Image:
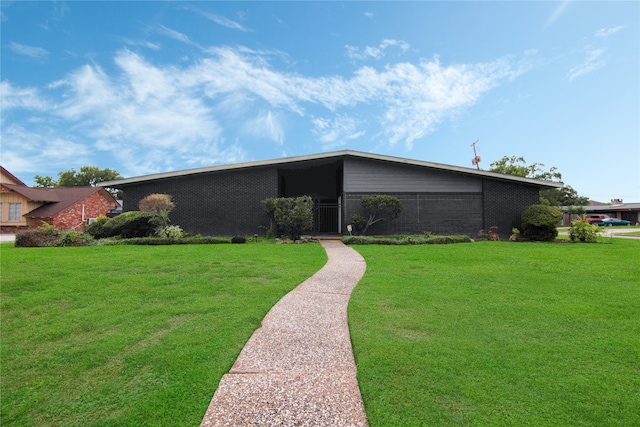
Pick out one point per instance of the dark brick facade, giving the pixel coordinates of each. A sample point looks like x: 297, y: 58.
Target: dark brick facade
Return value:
x: 229, y: 202
x: 440, y: 213
x: 222, y: 203
x: 504, y: 202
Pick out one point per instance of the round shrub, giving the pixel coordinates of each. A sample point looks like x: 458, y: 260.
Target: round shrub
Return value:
x: 127, y: 225
x: 170, y: 232
x: 97, y: 229
x: 582, y: 231
x: 539, y: 222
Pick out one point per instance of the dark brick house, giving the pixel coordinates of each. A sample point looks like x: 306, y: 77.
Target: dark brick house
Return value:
x: 227, y: 199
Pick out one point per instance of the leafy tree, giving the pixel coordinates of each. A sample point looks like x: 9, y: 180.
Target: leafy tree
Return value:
x: 88, y: 176
x: 378, y: 207
x: 44, y: 181
x: 517, y: 166
x: 290, y: 215
x: 158, y: 204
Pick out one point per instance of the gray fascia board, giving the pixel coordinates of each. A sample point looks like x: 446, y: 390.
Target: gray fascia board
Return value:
x: 329, y: 155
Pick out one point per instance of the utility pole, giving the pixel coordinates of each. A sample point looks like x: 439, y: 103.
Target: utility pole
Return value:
x: 476, y: 159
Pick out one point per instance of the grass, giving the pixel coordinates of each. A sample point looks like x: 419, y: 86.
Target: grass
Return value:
x: 499, y: 333
x: 132, y: 335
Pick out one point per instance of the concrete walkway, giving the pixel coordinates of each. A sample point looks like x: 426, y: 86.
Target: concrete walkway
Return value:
x: 298, y: 368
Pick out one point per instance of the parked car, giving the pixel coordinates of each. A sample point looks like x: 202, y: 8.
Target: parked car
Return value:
x: 591, y: 218
x: 612, y: 221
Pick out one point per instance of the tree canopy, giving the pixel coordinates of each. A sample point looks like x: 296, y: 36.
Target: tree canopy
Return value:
x: 88, y: 176
x: 517, y: 166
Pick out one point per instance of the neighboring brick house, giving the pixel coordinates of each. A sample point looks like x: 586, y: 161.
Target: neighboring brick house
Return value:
x: 65, y: 208
x: 227, y: 199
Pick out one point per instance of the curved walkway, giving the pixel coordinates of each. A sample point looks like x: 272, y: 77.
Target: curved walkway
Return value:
x: 298, y: 368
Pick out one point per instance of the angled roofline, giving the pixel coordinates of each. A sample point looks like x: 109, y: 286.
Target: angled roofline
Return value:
x: 12, y: 176
x: 330, y: 155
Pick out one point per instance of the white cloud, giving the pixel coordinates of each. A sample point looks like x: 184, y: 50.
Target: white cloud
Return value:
x: 266, y: 125
x: 30, y: 51
x: 173, y: 34
x: 151, y: 117
x: 606, y: 32
x: 224, y: 21
x: 592, y: 62
x: 336, y: 132
x: 20, y: 98
x: 557, y: 13
x: 375, y: 52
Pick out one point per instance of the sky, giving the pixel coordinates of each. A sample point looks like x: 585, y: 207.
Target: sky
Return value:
x: 145, y: 87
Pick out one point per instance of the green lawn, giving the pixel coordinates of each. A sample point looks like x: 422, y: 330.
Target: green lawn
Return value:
x: 132, y: 335
x: 499, y: 334
x: 487, y: 333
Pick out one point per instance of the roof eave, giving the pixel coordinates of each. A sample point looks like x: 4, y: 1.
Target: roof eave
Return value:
x: 328, y: 155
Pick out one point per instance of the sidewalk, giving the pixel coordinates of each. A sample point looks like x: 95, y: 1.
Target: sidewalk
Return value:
x: 298, y: 368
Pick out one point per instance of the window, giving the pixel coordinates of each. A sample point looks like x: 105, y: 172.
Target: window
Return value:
x: 15, y: 209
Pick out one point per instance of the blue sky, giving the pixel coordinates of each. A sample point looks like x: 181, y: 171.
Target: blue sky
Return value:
x: 145, y: 87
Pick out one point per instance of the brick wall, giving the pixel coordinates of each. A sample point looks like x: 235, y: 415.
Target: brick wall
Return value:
x: 440, y: 213
x: 504, y: 203
x: 71, y: 218
x: 216, y: 203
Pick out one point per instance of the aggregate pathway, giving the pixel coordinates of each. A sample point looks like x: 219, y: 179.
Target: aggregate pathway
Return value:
x: 298, y: 368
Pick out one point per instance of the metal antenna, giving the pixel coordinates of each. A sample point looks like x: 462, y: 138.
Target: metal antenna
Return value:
x: 476, y: 159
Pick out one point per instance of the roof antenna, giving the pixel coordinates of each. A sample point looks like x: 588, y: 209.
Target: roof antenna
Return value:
x: 476, y: 159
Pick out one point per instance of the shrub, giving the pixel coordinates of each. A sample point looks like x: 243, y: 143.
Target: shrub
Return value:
x: 582, y: 231
x: 127, y: 225
x: 170, y: 232
x: 238, y: 239
x: 539, y: 222
x: 291, y: 216
x: 378, y: 207
x: 96, y: 228
x: 75, y: 238
x: 405, y: 240
x: 36, y: 238
x: 158, y: 204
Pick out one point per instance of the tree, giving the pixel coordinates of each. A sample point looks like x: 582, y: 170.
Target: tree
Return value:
x: 378, y: 207
x: 88, y: 176
x: 158, y: 204
x: 517, y: 166
x: 290, y: 215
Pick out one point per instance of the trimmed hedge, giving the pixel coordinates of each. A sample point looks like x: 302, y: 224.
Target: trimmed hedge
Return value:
x: 539, y: 222
x: 128, y: 225
x: 410, y: 240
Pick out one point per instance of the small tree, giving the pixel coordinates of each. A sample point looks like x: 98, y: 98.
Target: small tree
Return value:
x: 291, y: 216
x: 378, y: 207
x: 158, y: 204
x: 540, y: 222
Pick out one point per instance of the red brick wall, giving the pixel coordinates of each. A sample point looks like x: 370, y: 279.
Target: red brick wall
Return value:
x: 71, y: 218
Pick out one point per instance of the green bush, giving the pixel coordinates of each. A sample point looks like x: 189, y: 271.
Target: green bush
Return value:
x: 170, y: 232
x: 539, y: 222
x: 76, y: 238
x: 127, y: 225
x: 582, y: 231
x: 37, y: 238
x: 290, y: 216
x: 377, y: 207
x: 405, y: 240
x: 97, y: 228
